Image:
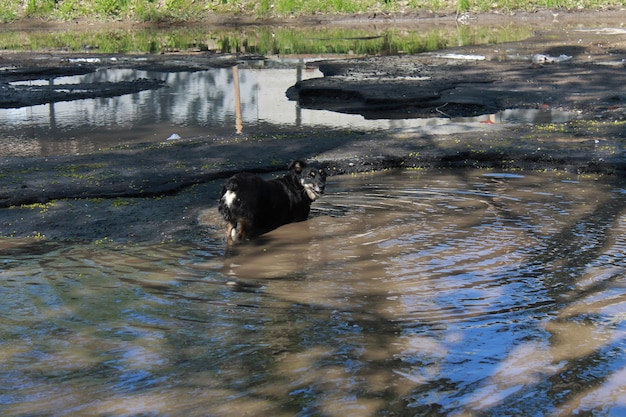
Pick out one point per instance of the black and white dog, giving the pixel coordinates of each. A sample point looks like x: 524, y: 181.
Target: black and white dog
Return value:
x: 253, y: 206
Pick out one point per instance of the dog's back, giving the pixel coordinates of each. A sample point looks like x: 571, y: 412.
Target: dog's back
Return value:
x: 253, y: 206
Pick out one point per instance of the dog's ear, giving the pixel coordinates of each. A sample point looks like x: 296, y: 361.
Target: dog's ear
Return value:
x: 297, y: 166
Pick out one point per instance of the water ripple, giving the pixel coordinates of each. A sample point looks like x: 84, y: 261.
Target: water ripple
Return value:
x: 441, y: 292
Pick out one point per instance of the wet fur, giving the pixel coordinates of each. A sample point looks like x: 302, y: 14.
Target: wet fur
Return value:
x: 253, y: 206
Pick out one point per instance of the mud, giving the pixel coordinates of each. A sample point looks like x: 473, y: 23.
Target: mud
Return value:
x: 575, y: 70
x: 163, y: 190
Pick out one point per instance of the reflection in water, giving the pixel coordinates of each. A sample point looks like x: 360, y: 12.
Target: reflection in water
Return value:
x: 387, y: 38
x: 408, y: 293
x: 238, y: 119
x: 220, y: 100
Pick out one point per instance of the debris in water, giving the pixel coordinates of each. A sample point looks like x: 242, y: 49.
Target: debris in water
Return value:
x: 547, y: 59
x: 462, y: 56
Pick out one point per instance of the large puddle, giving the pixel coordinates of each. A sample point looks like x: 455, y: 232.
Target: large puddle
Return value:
x: 194, y: 104
x: 407, y: 293
x: 250, y: 98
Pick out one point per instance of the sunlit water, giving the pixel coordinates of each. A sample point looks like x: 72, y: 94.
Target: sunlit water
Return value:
x: 407, y: 293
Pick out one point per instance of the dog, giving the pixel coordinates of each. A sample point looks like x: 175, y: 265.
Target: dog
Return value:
x: 253, y: 206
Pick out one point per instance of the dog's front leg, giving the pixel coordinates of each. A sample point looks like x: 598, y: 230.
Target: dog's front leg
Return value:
x: 237, y: 232
x: 231, y: 233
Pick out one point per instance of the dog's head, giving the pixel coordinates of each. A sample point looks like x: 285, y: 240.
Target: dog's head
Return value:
x: 311, y: 177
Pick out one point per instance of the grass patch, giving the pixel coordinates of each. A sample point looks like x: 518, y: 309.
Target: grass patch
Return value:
x: 42, y: 207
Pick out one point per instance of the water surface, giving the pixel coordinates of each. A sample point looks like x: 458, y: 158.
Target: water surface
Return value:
x: 407, y: 293
x: 215, y: 102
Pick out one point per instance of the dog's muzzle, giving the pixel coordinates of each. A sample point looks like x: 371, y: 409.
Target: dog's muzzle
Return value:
x: 313, y: 191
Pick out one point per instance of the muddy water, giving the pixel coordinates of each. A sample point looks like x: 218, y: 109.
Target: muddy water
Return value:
x: 407, y: 293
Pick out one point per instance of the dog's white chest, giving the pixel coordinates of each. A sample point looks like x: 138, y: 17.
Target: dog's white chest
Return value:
x: 229, y: 197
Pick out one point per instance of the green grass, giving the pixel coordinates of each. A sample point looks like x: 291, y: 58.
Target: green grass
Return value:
x: 187, y: 10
